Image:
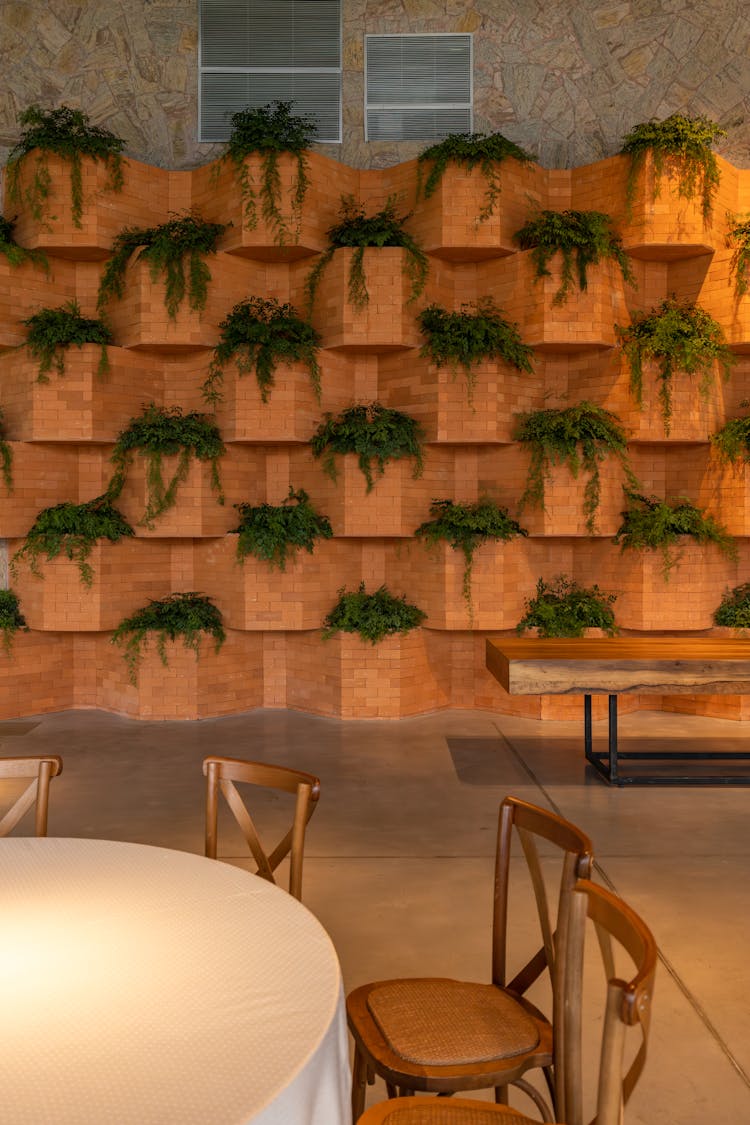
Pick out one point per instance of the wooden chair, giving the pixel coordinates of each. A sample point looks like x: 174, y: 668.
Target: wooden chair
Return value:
x: 221, y: 773
x: 627, y: 1005
x: 40, y: 772
x: 443, y: 1036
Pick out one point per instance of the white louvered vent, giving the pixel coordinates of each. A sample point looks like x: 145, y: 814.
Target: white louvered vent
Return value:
x: 257, y: 51
x: 417, y: 87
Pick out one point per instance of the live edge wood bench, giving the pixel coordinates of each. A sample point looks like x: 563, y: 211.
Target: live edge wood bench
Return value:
x: 617, y: 665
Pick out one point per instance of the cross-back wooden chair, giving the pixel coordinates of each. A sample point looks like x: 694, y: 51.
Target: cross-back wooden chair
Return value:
x: 441, y: 1035
x: 627, y: 1006
x: 222, y: 773
x: 39, y: 772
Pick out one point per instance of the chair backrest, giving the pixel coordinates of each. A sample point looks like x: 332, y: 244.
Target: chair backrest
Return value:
x: 222, y: 773
x: 627, y: 1003
x: 39, y: 772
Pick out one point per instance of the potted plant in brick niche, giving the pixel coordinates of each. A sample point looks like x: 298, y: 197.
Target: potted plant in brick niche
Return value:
x: 275, y: 532
x: 580, y: 437
x: 163, y: 432
x: 681, y: 146
x: 15, y: 254
x: 52, y: 331
x: 678, y: 336
x: 359, y: 231
x: 11, y: 619
x: 6, y: 457
x: 738, y: 237
x: 258, y: 334
x: 734, y: 610
x: 469, y: 150
x: 175, y: 250
x: 562, y: 608
x: 651, y: 524
x: 67, y: 133
x: 475, y: 333
x: 185, y: 616
x: 374, y: 433
x: 373, y: 616
x: 582, y: 238
x: 732, y: 442
x: 72, y: 530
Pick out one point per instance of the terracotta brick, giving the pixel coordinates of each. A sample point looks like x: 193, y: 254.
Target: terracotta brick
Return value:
x: 37, y: 674
x: 42, y: 475
x: 26, y: 289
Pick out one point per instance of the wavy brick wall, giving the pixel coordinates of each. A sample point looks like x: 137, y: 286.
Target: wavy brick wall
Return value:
x: 62, y: 434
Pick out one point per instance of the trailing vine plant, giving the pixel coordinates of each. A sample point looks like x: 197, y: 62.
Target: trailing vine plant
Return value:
x: 18, y: 255
x: 72, y: 530
x: 373, y: 616
x: 275, y: 532
x: 469, y: 150
x: 52, y: 331
x: 11, y: 618
x: 476, y: 332
x: 681, y: 147
x: 164, y: 432
x: 734, y: 609
x: 374, y: 433
x: 358, y: 230
x: 656, y: 525
x: 465, y: 527
x: 583, y: 238
x: 183, y: 241
x: 738, y: 236
x: 68, y: 133
x: 562, y: 608
x: 269, y: 130
x: 732, y: 442
x: 580, y: 437
x: 186, y: 616
x: 6, y: 457
x: 679, y: 336
x: 258, y: 334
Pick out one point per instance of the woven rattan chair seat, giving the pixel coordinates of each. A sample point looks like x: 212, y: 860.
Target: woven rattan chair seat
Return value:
x: 444, y: 1022
x: 443, y: 1113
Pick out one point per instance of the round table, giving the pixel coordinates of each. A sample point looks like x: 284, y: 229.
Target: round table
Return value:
x: 143, y: 986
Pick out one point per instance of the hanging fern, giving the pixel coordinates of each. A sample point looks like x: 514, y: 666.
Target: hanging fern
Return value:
x: 187, y: 616
x: 183, y: 241
x: 580, y: 437
x: 562, y: 608
x: 373, y: 616
x: 274, y: 532
x: 6, y: 457
x: 732, y: 442
x: 67, y: 133
x: 680, y: 336
x: 738, y: 236
x: 53, y: 331
x: 657, y: 525
x: 734, y: 610
x: 11, y: 619
x: 585, y: 238
x: 374, y: 433
x: 466, y: 527
x: 18, y: 255
x: 358, y: 230
x: 165, y: 432
x: 469, y: 150
x: 72, y: 530
x: 680, y: 145
x: 258, y: 334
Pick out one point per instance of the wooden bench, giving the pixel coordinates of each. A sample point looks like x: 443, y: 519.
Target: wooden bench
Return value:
x: 617, y: 665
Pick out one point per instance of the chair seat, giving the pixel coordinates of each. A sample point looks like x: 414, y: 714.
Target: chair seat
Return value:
x: 443, y: 1111
x: 439, y: 1022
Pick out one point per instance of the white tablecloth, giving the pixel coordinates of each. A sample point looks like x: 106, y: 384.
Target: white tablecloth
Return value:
x: 142, y: 986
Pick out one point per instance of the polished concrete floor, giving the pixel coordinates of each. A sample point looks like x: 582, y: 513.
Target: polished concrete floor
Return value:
x: 400, y: 852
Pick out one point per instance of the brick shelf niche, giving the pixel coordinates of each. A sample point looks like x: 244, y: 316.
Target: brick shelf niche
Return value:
x: 61, y: 435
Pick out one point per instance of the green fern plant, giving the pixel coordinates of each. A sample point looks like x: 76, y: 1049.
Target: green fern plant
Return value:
x: 18, y: 255
x: 475, y: 333
x: 487, y: 151
x: 465, y: 527
x: 679, y: 336
x: 359, y: 230
x: 269, y: 130
x: 52, y: 331
x: 258, y: 334
x: 732, y: 442
x: 734, y: 609
x: 562, y: 608
x: 164, y: 432
x: 580, y: 437
x: 169, y: 249
x: 372, y: 616
x: 67, y: 133
x: 582, y: 238
x: 11, y: 618
x: 6, y: 457
x: 274, y: 532
x: 651, y: 524
x: 374, y: 433
x: 72, y: 530
x: 680, y: 145
x: 738, y: 237
x: 186, y: 616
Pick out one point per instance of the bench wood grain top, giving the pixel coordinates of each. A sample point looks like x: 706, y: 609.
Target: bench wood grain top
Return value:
x: 613, y: 665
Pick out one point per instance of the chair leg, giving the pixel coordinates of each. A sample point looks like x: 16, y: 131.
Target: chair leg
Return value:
x: 540, y: 1103
x: 391, y: 1090
x: 501, y: 1095
x: 359, y: 1084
